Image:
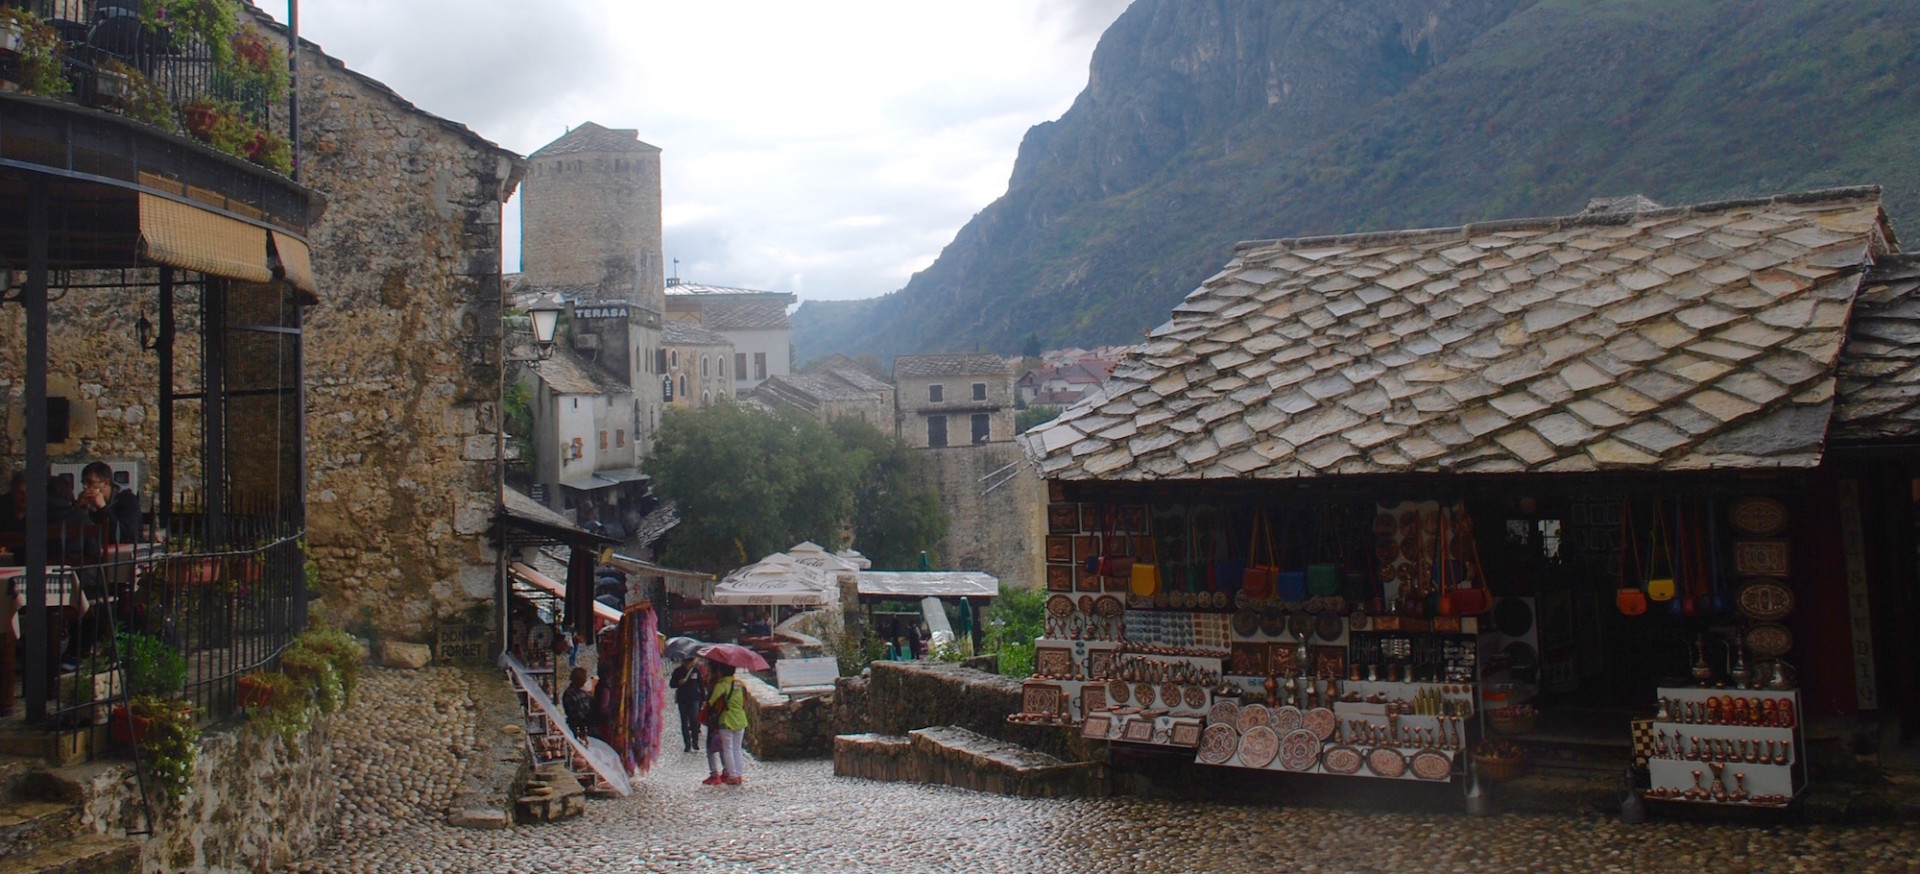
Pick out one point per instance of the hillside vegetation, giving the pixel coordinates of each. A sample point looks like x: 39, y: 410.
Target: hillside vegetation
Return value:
x: 1206, y: 122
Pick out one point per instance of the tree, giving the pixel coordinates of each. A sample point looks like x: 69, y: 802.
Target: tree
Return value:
x: 895, y: 515
x: 1031, y: 349
x: 1037, y: 414
x: 747, y: 483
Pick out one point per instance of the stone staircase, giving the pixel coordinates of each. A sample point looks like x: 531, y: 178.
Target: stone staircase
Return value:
x: 955, y: 756
x: 41, y: 828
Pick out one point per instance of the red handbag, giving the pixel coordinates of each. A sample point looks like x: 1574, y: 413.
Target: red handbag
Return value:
x: 1257, y: 580
x: 1630, y: 600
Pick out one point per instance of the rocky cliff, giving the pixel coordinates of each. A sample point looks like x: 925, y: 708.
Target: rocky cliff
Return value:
x: 1205, y: 122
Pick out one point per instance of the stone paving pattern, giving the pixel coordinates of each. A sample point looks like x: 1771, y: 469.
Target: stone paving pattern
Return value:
x: 1672, y: 339
x: 399, y: 751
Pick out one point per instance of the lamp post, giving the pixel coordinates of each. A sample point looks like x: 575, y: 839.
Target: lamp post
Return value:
x: 544, y: 313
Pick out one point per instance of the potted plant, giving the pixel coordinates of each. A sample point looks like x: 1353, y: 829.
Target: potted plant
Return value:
x: 37, y: 46
x: 211, y: 23
x: 315, y: 671
x: 276, y: 702
x: 342, y: 653
x: 258, y: 64
x: 169, y: 742
x: 153, y: 667
x: 128, y: 91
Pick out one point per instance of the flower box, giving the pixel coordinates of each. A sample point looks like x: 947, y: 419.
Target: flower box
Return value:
x: 127, y: 728
x: 255, y: 692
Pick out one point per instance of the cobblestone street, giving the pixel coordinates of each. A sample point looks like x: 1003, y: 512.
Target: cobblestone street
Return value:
x: 396, y: 752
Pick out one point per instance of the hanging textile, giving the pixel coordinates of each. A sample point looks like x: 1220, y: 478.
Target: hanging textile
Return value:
x: 580, y: 564
x: 640, y: 706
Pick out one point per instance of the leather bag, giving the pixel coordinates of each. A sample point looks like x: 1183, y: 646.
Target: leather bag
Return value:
x: 1628, y: 597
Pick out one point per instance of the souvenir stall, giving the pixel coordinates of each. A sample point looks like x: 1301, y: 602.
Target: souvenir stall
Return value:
x: 1342, y: 639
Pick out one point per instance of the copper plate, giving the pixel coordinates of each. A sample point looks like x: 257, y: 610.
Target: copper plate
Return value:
x: 1059, y: 605
x: 1288, y: 718
x: 1341, y: 760
x: 1328, y: 627
x: 1273, y: 622
x: 1117, y: 691
x: 1225, y: 713
x: 1299, y: 750
x: 1253, y: 716
x: 1217, y: 745
x: 1219, y: 600
x: 1321, y: 722
x: 1765, y: 600
x: 1358, y: 621
x: 1245, y: 622
x: 1258, y: 747
x: 1196, y: 697
x: 1760, y: 517
x: 1386, y: 762
x: 1170, y: 695
x: 1769, y: 641
x: 1143, y: 694
x: 1431, y: 765
x: 1086, y: 603
x: 1301, y: 624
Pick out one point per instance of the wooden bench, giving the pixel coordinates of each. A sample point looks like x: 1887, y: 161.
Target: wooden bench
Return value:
x: 807, y: 676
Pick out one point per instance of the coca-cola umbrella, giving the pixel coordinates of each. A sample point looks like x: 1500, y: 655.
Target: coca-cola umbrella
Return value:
x: 735, y: 655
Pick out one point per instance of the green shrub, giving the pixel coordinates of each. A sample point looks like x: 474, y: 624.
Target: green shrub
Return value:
x: 153, y: 667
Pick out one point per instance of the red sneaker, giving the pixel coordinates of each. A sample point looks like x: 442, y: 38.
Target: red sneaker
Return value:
x: 732, y: 780
x: 712, y: 780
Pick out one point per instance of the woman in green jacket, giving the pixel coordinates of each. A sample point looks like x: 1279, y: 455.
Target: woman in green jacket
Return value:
x: 728, y: 703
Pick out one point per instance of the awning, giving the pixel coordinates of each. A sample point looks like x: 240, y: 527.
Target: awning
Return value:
x: 770, y: 581
x: 185, y: 236
x: 295, y: 262
x: 921, y: 584
x: 527, y: 574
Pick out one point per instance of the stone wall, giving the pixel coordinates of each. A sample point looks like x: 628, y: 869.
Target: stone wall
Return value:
x: 592, y: 218
x: 903, y: 696
x: 779, y: 727
x: 255, y: 804
x: 403, y: 352
x: 1001, y: 531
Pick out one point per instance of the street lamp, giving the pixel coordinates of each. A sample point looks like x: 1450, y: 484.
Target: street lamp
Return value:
x: 545, y: 312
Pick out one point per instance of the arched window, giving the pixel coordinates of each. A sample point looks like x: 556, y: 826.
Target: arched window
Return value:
x: 723, y: 365
x: 673, y: 358
x: 683, y: 385
x: 703, y: 365
x: 706, y: 398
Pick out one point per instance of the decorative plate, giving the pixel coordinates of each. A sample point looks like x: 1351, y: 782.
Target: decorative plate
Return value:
x: 1196, y: 697
x: 1185, y: 734
x: 1253, y: 716
x: 1170, y: 695
x: 1328, y: 627
x: 1769, y: 641
x: 1299, y: 750
x: 1431, y: 765
x: 1109, y: 606
x: 1086, y: 604
x: 1273, y: 623
x: 1386, y: 762
x: 1217, y: 745
x: 1058, y: 606
x: 1096, y: 727
x: 1321, y: 722
x: 1358, y: 621
x: 1288, y: 718
x: 1245, y: 622
x: 1341, y: 760
x: 1760, y: 517
x: 1301, y: 624
x: 1225, y: 713
x: 1143, y: 694
x: 1219, y: 600
x: 1118, y: 691
x: 1765, y: 600
x: 1258, y: 747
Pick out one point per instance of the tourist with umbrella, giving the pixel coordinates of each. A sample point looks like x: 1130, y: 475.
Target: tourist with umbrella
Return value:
x: 726, y: 710
x: 689, y: 684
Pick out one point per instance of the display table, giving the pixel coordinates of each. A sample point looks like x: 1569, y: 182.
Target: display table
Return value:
x: 1732, y: 747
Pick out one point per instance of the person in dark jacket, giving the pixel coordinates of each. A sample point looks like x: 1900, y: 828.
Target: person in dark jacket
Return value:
x: 689, y: 692
x: 577, y: 703
x: 116, y: 511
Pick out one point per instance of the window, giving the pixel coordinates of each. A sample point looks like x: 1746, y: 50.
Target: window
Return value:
x: 666, y: 389
x: 576, y: 403
x: 979, y: 391
x: 703, y: 365
x: 706, y: 398
x: 620, y: 437
x: 603, y: 441
x: 673, y: 359
x: 659, y: 361
x: 936, y: 393
x: 683, y: 384
x: 759, y: 365
x: 981, y: 424
x: 59, y: 419
x: 579, y: 447
x: 936, y: 431
x: 720, y: 361
x: 739, y: 364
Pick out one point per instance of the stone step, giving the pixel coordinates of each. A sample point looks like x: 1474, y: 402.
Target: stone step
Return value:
x: 886, y: 757
x: 79, y: 854
x: 29, y: 825
x: 958, y: 757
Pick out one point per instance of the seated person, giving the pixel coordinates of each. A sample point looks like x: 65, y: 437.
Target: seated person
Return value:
x: 67, y: 536
x: 13, y: 509
x: 115, y: 510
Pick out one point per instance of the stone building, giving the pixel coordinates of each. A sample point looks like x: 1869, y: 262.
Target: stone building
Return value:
x: 584, y: 449
x: 953, y: 400
x: 403, y: 351
x: 827, y: 393
x: 754, y: 321
x: 697, y: 366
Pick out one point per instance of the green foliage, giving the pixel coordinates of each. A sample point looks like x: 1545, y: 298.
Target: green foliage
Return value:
x: 314, y: 670
x: 258, y: 64
x: 855, y: 652
x: 289, y: 709
x: 148, y: 103
x: 518, y: 405
x: 895, y: 514
x: 341, y: 652
x: 1019, y: 616
x: 153, y: 667
x: 211, y: 22
x: 169, y: 745
x: 41, y: 70
x: 1038, y: 414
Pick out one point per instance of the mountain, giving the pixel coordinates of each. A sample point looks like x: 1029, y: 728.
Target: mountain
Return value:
x: 1206, y: 122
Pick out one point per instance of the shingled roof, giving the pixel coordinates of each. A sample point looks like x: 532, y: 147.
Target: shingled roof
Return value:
x: 744, y: 316
x: 968, y: 364
x: 1879, y: 390
x: 1670, y: 339
x: 680, y: 332
x: 568, y: 373
x: 590, y: 137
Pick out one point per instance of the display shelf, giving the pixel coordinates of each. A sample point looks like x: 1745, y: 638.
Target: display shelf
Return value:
x: 1737, y: 761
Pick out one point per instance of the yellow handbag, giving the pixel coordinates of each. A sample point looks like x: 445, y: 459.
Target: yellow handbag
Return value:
x: 1659, y: 588
x: 1145, y: 580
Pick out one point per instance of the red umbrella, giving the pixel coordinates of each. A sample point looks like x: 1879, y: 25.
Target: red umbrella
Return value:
x: 735, y: 655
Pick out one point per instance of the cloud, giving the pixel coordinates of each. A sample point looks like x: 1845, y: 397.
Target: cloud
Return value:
x: 829, y: 149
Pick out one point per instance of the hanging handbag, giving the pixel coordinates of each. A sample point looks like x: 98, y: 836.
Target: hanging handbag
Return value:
x: 1143, y: 571
x: 1687, y: 541
x: 1225, y: 574
x: 1289, y: 586
x: 1660, y: 587
x: 1323, y: 576
x: 1719, y: 603
x: 1258, y: 579
x: 1193, y: 568
x: 1630, y: 600
x: 1464, y: 598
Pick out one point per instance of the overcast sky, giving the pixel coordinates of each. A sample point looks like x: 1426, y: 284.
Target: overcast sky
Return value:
x: 825, y: 148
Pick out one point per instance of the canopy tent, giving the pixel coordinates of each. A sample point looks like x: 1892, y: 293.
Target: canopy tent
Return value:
x: 772, y: 582
x: 921, y: 584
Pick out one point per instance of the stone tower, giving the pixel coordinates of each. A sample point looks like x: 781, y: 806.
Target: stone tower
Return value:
x: 590, y: 217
